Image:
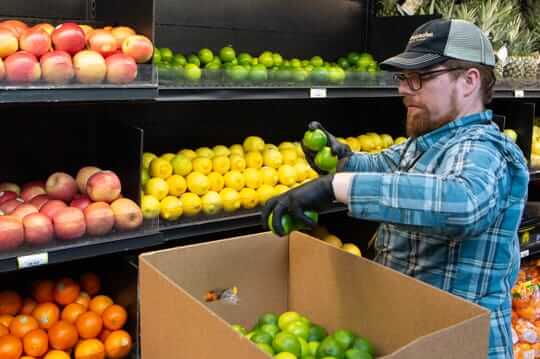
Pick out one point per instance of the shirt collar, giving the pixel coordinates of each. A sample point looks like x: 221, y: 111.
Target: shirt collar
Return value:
x: 429, y: 139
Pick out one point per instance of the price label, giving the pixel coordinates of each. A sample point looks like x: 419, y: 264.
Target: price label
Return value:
x: 525, y: 253
x: 317, y: 93
x: 519, y: 93
x: 33, y: 260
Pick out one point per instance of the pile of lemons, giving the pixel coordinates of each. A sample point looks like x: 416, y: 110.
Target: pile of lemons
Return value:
x: 371, y: 142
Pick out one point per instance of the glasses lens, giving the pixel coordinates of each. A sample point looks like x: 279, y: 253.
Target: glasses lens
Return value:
x: 415, y: 83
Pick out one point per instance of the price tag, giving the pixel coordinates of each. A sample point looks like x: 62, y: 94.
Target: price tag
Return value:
x: 525, y: 253
x: 317, y: 93
x: 519, y: 93
x: 33, y: 260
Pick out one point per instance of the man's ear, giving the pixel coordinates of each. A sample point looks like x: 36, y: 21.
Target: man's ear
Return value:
x: 471, y: 81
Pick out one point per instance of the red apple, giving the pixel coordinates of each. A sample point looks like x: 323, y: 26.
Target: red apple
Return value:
x: 44, y: 26
x: 99, y: 218
x: 29, y: 192
x: 83, y: 175
x: 24, y: 210
x: 81, y: 202
x: 39, y: 201
x: 8, y: 186
x: 69, y: 37
x: 57, y: 67
x: 36, y: 41
x: 8, y: 43
x: 104, y: 186
x: 11, y: 233
x: 127, y: 214
x: 90, y: 67
x: 69, y: 223
x: 139, y: 47
x: 9, y: 206
x: 121, y: 69
x: 61, y: 186
x: 33, y: 184
x: 38, y: 229
x: 121, y: 33
x: 22, y: 67
x: 7, y: 196
x: 102, y: 41
x: 18, y: 27
x: 52, y: 207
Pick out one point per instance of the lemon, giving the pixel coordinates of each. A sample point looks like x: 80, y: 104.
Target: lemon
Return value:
x: 387, y: 140
x: 221, y: 150
x: 269, y: 176
x: 341, y: 140
x: 170, y: 208
x: 377, y: 141
x: 234, y: 180
x: 147, y: 158
x: 191, y: 203
x: 333, y: 240
x: 319, y: 232
x: 230, y: 198
x: 272, y: 158
x: 252, y: 178
x: 353, y: 143
x: 299, y: 150
x: 312, y: 173
x: 289, y: 156
x: 249, y: 198
x: 204, y: 152
x: 302, y: 170
x: 216, y: 181
x: 286, y: 146
x: 270, y: 147
x: 400, y: 140
x: 157, y: 187
x: 287, y: 175
x: 145, y: 176
x: 182, y: 165
x: 279, y: 189
x: 366, y: 143
x: 253, y: 143
x: 237, y: 150
x: 150, y: 206
x: 238, y: 163
x: 202, y: 165
x: 254, y: 159
x: 211, y: 203
x: 221, y: 164
x: 177, y: 185
x: 188, y: 153
x: 265, y: 192
x: 160, y: 168
x: 351, y: 248
x: 198, y: 183
x: 536, y: 148
x: 168, y: 156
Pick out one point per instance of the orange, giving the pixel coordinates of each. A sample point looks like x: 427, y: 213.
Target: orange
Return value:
x: 10, y: 302
x: 90, y: 283
x: 66, y: 291
x: 63, y: 335
x: 118, y: 344
x: 114, y: 317
x: 36, y: 343
x: 99, y: 303
x: 23, y: 324
x: 6, y: 319
x: 28, y: 306
x: 10, y: 347
x: 46, y: 314
x: 72, y: 311
x: 104, y: 334
x: 43, y: 291
x: 56, y: 354
x: 27, y: 357
x: 3, y: 330
x: 90, y: 349
x: 89, y: 325
x: 83, y: 299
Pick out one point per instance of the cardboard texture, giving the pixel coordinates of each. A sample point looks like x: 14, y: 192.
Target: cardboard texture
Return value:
x: 404, y: 318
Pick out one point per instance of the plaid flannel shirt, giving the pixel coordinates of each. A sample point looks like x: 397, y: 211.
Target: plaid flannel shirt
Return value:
x: 450, y: 203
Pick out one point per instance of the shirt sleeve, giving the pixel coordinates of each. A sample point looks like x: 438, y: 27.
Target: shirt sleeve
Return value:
x: 385, y: 161
x: 461, y: 201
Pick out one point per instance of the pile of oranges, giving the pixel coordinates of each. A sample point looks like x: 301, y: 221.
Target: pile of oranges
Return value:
x: 61, y: 319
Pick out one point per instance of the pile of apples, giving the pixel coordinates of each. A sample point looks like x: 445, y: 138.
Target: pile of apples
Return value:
x: 65, y: 208
x: 70, y: 51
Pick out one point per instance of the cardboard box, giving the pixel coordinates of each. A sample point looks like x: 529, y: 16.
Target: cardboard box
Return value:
x: 404, y: 318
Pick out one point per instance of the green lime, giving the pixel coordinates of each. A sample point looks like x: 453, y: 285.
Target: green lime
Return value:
x: 287, y: 318
x: 315, y: 140
x: 285, y: 355
x: 363, y: 345
x: 317, y: 333
x: 364, y: 60
x: 286, y: 223
x: 267, y: 59
x: 304, y: 319
x: 262, y: 337
x: 330, y: 347
x: 344, y: 337
x: 343, y: 63
x: 336, y: 74
x: 179, y: 59
x: 271, y: 329
x: 353, y: 57
x: 144, y: 176
x: 268, y: 318
x: 314, y: 216
x: 305, y: 63
x: 193, y: 59
x: 192, y: 72
x: 313, y: 346
x: 316, y: 61
x: 299, y: 74
x: 299, y: 329
x: 296, y: 63
x: 304, y: 347
x: 357, y: 354
x: 216, y: 60
x: 250, y: 334
x: 319, y: 74
x: 240, y: 329
x: 287, y: 342
x: 258, y: 73
x: 325, y: 160
x: 227, y: 54
x: 211, y: 70
x: 284, y: 73
x: 244, y: 59
x: 156, y: 57
x: 166, y: 54
x: 178, y: 71
x: 238, y: 73
x: 277, y: 59
x: 308, y: 357
x: 285, y: 63
x: 206, y: 55
x: 165, y: 71
x: 254, y: 61
x: 266, y: 348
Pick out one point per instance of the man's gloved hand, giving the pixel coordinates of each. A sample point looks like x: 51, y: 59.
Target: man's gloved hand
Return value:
x: 339, y: 149
x: 313, y: 195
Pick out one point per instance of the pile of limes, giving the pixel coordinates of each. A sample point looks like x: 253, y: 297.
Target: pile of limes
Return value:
x: 293, y: 336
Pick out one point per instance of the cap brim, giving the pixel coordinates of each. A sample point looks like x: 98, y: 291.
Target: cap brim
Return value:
x: 412, y: 61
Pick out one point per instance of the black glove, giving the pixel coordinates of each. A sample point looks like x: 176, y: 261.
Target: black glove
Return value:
x: 313, y: 195
x: 339, y: 149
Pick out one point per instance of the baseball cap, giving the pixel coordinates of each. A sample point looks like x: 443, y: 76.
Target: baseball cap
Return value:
x: 439, y: 40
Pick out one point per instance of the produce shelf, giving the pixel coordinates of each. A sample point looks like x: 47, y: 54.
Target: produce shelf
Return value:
x: 530, y: 250
x: 534, y: 174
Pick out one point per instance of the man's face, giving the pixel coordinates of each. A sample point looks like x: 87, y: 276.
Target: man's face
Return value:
x: 433, y: 105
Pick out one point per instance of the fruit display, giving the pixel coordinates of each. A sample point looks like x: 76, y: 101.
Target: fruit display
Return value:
x: 65, y: 208
x: 323, y: 234
x: 535, y: 146
x: 63, y: 319
x: 70, y: 53
x: 268, y: 67
x: 293, y: 336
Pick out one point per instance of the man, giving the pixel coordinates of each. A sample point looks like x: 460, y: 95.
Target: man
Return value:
x: 450, y: 199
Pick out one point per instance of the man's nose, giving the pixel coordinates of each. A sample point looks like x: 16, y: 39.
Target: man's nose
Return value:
x: 404, y: 89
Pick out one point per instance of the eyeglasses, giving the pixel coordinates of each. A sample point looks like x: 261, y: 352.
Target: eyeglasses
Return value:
x: 415, y: 79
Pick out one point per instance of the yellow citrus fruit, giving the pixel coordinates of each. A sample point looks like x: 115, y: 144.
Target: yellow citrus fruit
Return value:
x: 204, y: 152
x: 289, y: 156
x: 160, y: 168
x: 351, y: 248
x: 182, y: 165
x: 270, y: 147
x: 333, y: 240
x: 400, y: 140
x: 202, y: 165
x: 221, y: 150
x: 387, y: 140
x: 299, y: 150
x: 170, y: 208
x: 272, y: 158
x: 221, y: 164
x: 238, y: 163
x: 145, y: 176
x: 147, y: 157
x: 279, y: 189
x: 302, y: 170
x: 230, y: 198
x: 253, y: 143
x: 211, y: 203
x: 265, y: 192
x: 236, y: 150
x: 353, y: 143
x: 249, y: 198
x: 216, y: 181
x: 157, y: 187
x: 269, y: 175
x: 234, y: 180
x: 252, y: 178
x: 341, y: 140
x: 287, y: 175
x: 191, y: 203
x: 150, y: 206
x: 177, y: 185
x: 254, y: 159
x: 168, y: 156
x: 319, y: 232
x: 312, y: 173
x: 286, y: 146
x: 366, y: 143
x: 377, y: 141
x: 188, y: 153
x: 198, y: 183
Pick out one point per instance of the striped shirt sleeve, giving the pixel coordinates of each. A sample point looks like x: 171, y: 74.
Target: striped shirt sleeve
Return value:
x: 385, y: 161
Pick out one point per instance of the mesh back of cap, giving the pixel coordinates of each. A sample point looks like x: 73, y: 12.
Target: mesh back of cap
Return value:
x: 467, y: 42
